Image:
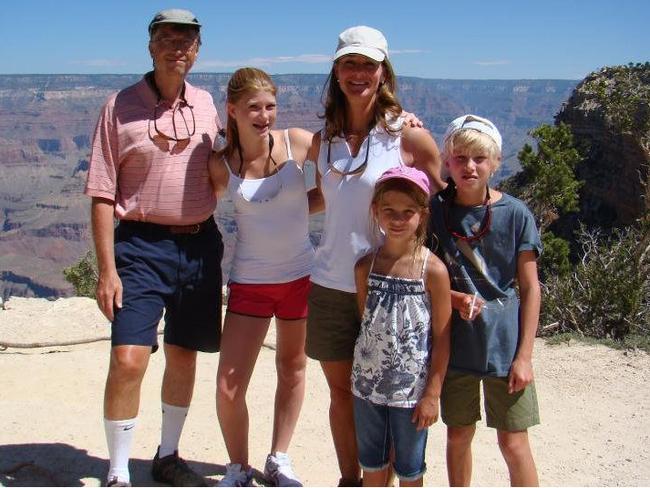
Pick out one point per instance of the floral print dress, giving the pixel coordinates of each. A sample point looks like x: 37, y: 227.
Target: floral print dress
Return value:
x: 392, y: 352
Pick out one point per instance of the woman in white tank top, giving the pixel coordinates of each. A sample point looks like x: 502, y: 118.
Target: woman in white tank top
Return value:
x: 262, y: 171
x: 362, y: 137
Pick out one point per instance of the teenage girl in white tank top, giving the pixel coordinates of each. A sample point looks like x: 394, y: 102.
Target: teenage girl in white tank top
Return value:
x: 262, y: 170
x: 271, y: 212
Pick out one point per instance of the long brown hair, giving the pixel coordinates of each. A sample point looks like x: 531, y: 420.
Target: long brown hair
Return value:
x: 242, y: 82
x: 387, y: 106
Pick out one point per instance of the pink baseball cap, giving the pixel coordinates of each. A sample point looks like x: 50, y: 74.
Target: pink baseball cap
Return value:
x: 414, y: 175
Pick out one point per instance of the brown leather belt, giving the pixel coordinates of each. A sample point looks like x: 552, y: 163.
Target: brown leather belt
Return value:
x: 190, y: 229
x: 185, y: 229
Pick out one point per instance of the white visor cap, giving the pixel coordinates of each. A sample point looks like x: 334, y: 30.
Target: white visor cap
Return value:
x: 475, y: 122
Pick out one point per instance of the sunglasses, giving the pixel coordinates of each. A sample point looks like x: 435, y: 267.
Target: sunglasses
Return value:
x: 343, y: 167
x: 182, y: 133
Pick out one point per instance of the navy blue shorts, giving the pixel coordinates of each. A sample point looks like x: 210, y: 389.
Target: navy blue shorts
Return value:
x: 379, y: 427
x: 177, y: 273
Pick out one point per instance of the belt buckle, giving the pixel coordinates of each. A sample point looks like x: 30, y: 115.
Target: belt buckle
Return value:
x: 195, y: 228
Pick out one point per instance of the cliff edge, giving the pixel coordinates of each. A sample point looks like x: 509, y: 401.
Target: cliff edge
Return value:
x: 609, y: 115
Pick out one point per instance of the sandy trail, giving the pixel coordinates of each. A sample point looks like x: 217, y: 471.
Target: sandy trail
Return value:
x: 594, y: 405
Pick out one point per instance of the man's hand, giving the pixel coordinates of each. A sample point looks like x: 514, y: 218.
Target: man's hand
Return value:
x: 426, y: 412
x: 521, y: 375
x: 109, y: 293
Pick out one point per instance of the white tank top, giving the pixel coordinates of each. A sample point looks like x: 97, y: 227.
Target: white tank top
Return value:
x: 347, y: 233
x: 272, y: 217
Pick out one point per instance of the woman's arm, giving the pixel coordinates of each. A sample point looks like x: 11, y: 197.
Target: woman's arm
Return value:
x: 361, y: 272
x: 521, y: 371
x: 438, y: 287
x: 218, y: 174
x: 314, y: 195
x: 420, y: 150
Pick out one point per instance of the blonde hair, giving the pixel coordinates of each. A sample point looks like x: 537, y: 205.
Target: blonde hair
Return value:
x: 414, y: 192
x: 472, y: 141
x: 386, y: 109
x: 242, y: 82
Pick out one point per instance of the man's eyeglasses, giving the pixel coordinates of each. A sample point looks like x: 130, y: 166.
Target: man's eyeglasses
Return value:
x: 483, y: 229
x: 180, y: 43
x: 182, y: 131
x: 342, y: 166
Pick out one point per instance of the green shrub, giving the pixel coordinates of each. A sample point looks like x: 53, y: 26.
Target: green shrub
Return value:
x: 607, y: 295
x: 547, y: 183
x: 555, y: 257
x: 83, y: 275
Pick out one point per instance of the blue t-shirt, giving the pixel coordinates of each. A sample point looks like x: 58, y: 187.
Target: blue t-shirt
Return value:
x: 488, y: 266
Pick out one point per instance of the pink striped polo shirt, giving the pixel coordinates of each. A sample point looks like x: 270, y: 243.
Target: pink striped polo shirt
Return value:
x: 149, y: 178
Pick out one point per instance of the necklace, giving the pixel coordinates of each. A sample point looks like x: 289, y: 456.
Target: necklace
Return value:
x: 262, y: 192
x: 270, y: 156
x: 484, y: 227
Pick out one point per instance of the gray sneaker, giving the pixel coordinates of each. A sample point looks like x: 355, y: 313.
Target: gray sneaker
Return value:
x: 236, y: 476
x: 278, y: 470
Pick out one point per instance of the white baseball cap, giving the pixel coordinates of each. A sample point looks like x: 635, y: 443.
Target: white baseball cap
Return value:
x: 362, y: 40
x: 475, y: 122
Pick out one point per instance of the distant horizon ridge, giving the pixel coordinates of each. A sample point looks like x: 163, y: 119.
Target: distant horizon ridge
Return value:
x: 229, y: 73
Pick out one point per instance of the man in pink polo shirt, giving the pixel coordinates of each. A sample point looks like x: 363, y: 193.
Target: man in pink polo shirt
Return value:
x: 148, y: 169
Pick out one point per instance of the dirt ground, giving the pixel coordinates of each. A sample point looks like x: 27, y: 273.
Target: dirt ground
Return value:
x: 594, y: 401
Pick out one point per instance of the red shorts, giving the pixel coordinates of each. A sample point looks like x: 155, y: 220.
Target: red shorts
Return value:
x: 286, y: 301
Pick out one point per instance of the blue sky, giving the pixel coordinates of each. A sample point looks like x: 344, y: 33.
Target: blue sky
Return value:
x: 465, y: 39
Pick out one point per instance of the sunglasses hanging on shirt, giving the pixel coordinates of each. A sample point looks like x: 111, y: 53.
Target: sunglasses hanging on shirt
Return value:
x: 182, y: 131
x: 347, y: 166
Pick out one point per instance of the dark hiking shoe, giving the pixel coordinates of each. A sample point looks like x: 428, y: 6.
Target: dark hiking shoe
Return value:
x: 114, y: 481
x: 349, y: 482
x: 173, y: 471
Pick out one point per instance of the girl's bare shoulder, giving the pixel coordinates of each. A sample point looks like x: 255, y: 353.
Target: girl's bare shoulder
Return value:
x: 435, y: 268
x: 300, y: 140
x: 300, y: 136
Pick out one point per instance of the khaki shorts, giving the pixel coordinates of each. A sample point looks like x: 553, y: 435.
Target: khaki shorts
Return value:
x: 460, y: 402
x: 332, y: 324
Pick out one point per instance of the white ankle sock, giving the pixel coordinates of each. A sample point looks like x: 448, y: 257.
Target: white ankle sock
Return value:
x: 173, y: 419
x: 119, y: 434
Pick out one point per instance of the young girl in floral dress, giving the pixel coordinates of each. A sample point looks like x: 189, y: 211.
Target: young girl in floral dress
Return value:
x: 401, y: 354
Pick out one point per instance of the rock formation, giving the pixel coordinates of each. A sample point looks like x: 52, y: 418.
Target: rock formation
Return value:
x: 609, y: 114
x: 47, y: 121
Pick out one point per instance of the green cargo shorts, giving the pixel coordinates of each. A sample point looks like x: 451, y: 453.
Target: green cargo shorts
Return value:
x: 460, y: 402
x: 332, y: 324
